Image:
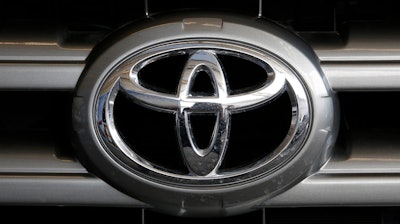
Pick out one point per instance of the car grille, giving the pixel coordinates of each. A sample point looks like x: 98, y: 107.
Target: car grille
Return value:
x: 45, y: 47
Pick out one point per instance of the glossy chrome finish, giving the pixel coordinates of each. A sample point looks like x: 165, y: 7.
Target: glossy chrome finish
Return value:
x: 40, y: 58
x: 204, y: 162
x: 49, y: 52
x: 64, y: 76
x: 317, y: 190
x: 39, y: 76
x: 341, y: 190
x: 344, y: 62
x: 311, y: 126
x: 366, y: 60
x: 363, y: 76
x: 50, y: 189
x: 37, y: 43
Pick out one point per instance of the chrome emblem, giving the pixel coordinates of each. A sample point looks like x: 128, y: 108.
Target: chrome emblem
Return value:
x: 202, y: 163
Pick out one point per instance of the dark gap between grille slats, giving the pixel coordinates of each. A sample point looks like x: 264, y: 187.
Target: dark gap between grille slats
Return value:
x: 36, y: 118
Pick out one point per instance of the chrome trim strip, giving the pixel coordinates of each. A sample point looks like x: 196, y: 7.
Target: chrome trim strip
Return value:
x: 317, y: 190
x: 363, y: 76
x: 349, y: 54
x: 67, y: 190
x: 341, y: 190
x: 357, y: 64
x: 41, y: 51
x: 58, y: 76
x: 45, y: 43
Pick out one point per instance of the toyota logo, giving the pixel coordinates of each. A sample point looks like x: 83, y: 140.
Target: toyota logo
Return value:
x: 204, y: 115
x: 203, y: 163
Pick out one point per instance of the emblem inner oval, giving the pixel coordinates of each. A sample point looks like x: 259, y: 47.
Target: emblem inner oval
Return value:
x: 203, y: 163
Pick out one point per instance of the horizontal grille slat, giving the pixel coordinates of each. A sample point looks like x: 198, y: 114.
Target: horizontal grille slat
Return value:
x: 40, y: 76
x: 354, y: 64
x: 34, y: 153
x: 64, y: 76
x: 61, y: 190
x: 342, y: 190
x: 32, y: 50
x: 363, y: 76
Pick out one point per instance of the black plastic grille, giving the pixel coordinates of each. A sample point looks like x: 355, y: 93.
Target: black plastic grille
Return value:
x: 36, y: 117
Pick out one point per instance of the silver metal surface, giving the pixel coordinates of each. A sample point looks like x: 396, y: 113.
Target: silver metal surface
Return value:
x: 42, y: 50
x: 341, y: 190
x: 203, y: 57
x: 34, y: 51
x: 202, y: 162
x: 371, y: 166
x: 365, y: 60
x: 64, y: 76
x: 40, y: 58
x: 39, y: 76
x: 363, y: 76
x: 310, y: 136
x: 318, y: 190
x: 30, y: 43
x: 35, y: 154
x: 61, y: 190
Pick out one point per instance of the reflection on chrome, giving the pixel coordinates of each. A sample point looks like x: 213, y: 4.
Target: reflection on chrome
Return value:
x: 204, y: 163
